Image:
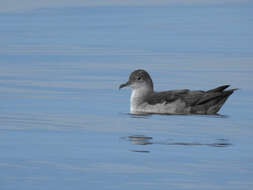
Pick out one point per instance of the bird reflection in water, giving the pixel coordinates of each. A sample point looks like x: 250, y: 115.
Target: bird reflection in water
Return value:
x: 146, y: 140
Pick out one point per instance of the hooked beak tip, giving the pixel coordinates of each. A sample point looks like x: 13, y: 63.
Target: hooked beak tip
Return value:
x: 123, y: 85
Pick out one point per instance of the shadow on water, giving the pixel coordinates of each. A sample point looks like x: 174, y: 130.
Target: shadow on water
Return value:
x: 139, y: 115
x: 146, y: 140
x: 148, y: 115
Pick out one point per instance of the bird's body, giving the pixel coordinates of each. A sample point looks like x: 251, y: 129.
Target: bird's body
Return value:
x: 179, y: 101
x: 145, y: 100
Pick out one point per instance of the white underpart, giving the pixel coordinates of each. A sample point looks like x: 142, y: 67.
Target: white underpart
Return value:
x: 138, y: 104
x: 137, y: 98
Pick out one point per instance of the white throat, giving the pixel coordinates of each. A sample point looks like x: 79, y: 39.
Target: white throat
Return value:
x: 138, y: 97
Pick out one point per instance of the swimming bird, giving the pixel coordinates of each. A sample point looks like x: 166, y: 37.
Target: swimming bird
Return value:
x: 145, y: 100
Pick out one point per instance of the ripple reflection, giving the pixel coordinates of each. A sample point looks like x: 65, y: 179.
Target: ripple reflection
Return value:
x: 147, y: 140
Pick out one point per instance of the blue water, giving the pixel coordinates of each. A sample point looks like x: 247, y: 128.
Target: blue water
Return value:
x: 65, y: 125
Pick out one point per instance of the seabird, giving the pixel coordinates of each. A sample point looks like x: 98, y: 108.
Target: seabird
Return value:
x: 145, y: 100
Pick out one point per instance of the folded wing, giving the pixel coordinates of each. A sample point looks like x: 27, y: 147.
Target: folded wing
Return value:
x: 202, y: 102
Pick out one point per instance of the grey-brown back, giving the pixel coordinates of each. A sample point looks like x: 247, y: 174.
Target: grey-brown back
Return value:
x: 202, y: 102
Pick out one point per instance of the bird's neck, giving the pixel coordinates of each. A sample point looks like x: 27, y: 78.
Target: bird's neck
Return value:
x: 139, y: 96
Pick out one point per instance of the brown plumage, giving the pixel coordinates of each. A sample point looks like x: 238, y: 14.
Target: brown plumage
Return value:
x: 145, y: 99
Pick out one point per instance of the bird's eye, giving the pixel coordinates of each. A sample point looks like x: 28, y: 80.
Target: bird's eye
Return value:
x: 139, y: 78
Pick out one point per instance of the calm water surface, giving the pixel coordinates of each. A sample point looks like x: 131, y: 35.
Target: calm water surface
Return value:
x: 65, y: 125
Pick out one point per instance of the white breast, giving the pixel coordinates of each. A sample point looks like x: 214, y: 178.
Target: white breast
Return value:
x: 138, y: 105
x: 138, y: 98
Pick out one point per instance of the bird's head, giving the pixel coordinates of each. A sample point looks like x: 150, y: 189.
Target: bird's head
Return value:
x: 138, y: 79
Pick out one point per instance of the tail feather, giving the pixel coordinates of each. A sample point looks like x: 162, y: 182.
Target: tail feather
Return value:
x: 213, y: 100
x: 216, y: 104
x: 213, y: 109
x: 218, y: 89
